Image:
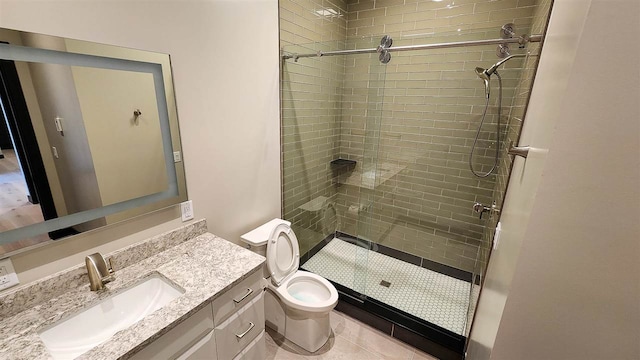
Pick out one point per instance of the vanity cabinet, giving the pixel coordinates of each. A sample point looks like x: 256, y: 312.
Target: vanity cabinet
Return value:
x: 235, y: 298
x: 191, y: 339
x: 230, y: 327
x: 236, y: 333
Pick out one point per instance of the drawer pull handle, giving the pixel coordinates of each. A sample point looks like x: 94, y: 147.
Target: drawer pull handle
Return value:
x: 251, y: 325
x: 249, y: 292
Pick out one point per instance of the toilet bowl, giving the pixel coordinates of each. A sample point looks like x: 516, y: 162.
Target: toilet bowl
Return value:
x: 305, y: 299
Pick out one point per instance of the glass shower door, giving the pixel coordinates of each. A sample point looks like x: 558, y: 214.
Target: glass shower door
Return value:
x: 417, y: 215
x: 331, y: 104
x: 366, y: 83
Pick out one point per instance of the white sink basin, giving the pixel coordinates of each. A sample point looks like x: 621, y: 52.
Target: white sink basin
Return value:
x: 75, y: 335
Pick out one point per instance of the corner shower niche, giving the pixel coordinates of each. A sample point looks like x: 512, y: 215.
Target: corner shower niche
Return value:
x: 404, y: 241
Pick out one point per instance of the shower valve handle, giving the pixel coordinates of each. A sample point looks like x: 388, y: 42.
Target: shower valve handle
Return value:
x: 480, y: 209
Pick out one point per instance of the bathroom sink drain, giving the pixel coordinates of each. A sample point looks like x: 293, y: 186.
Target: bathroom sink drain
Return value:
x: 385, y: 283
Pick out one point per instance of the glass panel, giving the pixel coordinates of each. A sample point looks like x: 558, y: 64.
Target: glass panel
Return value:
x: 419, y: 210
x: 401, y: 193
x: 323, y: 109
x: 365, y: 80
x: 310, y: 140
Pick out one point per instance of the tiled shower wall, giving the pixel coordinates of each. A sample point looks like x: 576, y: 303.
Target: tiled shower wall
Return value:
x: 420, y: 201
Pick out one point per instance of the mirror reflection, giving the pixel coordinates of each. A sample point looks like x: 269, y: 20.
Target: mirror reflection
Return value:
x: 85, y: 136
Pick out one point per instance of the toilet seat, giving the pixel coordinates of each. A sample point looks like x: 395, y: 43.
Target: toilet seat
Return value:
x: 300, y: 290
x: 283, y: 253
x: 308, y: 292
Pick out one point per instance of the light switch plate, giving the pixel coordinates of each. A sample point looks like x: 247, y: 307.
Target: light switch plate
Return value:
x: 8, y: 276
x: 58, y: 121
x: 177, y: 157
x: 187, y: 210
x: 496, y: 236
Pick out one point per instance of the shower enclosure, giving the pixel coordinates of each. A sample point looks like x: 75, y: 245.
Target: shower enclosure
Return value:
x: 376, y: 167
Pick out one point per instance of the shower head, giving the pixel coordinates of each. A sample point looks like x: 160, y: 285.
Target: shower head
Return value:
x: 485, y: 74
x: 482, y: 74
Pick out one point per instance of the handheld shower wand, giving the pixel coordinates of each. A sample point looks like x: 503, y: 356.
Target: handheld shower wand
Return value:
x: 482, y: 74
x: 485, y: 75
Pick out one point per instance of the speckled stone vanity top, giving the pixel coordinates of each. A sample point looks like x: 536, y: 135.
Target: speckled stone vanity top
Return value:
x: 204, y: 265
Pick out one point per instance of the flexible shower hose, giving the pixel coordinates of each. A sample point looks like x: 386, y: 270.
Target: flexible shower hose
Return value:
x: 484, y: 115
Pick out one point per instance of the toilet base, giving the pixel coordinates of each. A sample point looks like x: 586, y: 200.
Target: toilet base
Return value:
x: 274, y: 313
x: 309, y: 331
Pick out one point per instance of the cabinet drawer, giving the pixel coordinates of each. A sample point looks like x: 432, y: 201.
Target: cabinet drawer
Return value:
x: 257, y: 349
x: 237, y: 297
x: 205, y: 348
x: 235, y: 333
x: 182, y: 338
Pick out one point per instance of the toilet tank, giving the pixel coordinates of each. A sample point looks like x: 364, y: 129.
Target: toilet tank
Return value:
x: 257, y: 238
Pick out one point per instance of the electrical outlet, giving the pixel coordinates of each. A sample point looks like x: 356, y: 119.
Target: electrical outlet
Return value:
x: 187, y: 210
x: 8, y: 277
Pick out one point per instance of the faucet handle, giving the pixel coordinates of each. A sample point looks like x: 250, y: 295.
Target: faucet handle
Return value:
x: 110, y: 267
x: 480, y: 209
x: 110, y: 272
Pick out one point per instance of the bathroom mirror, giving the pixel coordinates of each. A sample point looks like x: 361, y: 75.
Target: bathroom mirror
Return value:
x: 88, y: 137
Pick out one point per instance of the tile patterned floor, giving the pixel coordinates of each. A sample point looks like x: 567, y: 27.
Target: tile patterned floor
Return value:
x: 429, y: 295
x: 351, y: 340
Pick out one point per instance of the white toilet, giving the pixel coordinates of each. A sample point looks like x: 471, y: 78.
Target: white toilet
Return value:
x: 297, y: 303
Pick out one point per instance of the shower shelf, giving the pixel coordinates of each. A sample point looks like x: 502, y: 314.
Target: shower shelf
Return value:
x: 371, y: 178
x: 343, y: 163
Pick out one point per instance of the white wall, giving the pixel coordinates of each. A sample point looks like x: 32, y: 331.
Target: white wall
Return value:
x: 225, y: 64
x: 573, y: 291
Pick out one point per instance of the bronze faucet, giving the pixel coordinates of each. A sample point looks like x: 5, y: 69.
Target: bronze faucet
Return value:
x: 98, y: 271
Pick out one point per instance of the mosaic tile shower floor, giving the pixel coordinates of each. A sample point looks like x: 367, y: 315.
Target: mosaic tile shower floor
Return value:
x: 429, y: 295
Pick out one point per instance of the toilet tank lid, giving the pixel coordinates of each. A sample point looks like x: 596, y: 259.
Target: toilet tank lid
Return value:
x: 260, y: 235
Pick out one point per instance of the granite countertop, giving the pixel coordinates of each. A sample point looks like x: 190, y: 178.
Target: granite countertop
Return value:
x: 204, y: 266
